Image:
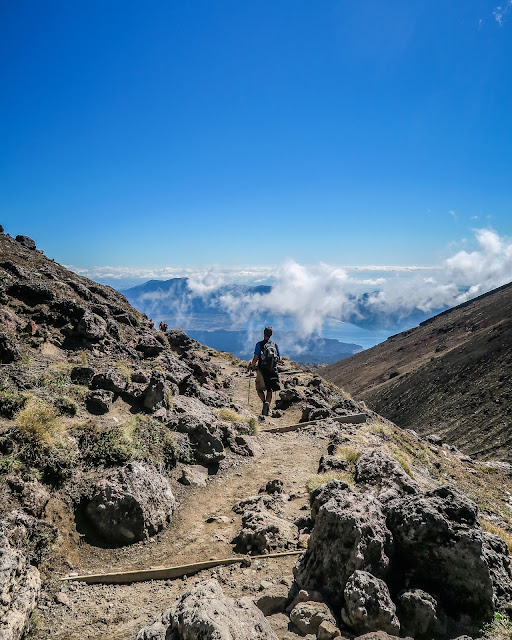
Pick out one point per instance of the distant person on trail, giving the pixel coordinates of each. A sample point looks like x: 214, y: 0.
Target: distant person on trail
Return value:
x: 266, y: 357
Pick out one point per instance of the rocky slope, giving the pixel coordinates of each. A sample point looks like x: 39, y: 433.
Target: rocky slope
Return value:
x: 451, y: 375
x: 122, y: 448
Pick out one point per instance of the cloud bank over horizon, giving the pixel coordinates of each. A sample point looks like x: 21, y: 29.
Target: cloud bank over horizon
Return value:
x: 314, y: 294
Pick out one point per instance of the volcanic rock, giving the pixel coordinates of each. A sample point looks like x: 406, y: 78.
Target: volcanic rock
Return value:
x: 383, y: 476
x: 368, y: 605
x: 9, y: 351
x: 205, y: 613
x: 308, y: 616
x: 130, y: 504
x: 99, y: 401
x: 26, y: 242
x: 350, y: 534
x: 92, y: 327
x: 440, y: 529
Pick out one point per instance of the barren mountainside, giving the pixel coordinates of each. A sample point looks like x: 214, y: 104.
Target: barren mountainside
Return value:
x: 451, y: 375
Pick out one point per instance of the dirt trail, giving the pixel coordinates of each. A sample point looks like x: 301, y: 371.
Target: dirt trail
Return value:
x: 118, y: 612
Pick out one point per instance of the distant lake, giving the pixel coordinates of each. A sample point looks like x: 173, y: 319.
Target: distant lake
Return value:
x: 345, y: 332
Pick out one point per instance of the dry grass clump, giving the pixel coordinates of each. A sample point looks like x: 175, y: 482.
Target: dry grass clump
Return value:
x: 229, y: 415
x: 37, y: 422
x: 313, y: 482
x: 350, y: 454
x: 402, y: 458
x: 125, y: 369
x: 490, y: 527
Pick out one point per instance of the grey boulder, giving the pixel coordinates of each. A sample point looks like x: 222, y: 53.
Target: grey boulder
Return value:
x: 130, y: 504
x: 308, y: 616
x: 350, y: 534
x: 205, y: 613
x: 263, y: 530
x: 440, y: 529
x: 92, y: 327
x: 382, y: 475
x: 368, y: 605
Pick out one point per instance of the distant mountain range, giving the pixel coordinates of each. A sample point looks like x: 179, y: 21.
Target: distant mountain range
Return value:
x: 204, y: 319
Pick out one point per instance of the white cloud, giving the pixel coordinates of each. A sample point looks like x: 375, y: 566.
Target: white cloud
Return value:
x: 501, y: 11
x: 314, y: 294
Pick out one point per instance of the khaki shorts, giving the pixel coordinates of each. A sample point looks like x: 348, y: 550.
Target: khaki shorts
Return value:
x: 260, y: 382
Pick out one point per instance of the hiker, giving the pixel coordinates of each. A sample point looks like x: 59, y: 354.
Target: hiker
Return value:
x: 267, y: 357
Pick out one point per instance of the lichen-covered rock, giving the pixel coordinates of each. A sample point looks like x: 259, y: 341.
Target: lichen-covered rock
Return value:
x: 205, y: 613
x: 92, y: 327
x: 382, y: 475
x: 20, y: 585
x: 350, y: 534
x: 130, y: 504
x: 440, y: 529
x: 368, y: 605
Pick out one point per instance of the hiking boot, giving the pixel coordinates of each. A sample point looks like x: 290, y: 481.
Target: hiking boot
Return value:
x: 266, y: 409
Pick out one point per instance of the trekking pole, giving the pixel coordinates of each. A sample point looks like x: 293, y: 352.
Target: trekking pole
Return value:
x: 249, y: 393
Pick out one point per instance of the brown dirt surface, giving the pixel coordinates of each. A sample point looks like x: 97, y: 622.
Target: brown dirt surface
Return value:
x: 451, y: 376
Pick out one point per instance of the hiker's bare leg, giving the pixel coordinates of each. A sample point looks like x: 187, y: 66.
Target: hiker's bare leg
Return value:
x: 261, y: 396
x: 269, y: 396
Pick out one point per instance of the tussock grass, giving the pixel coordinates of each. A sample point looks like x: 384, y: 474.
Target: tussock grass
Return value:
x: 229, y: 415
x: 490, y: 527
x: 60, y: 367
x: 38, y: 423
x: 402, y: 458
x: 124, y: 368
x: 319, y: 479
x: 350, y: 454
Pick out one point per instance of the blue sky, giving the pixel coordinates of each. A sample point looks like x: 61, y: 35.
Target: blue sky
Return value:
x: 235, y: 132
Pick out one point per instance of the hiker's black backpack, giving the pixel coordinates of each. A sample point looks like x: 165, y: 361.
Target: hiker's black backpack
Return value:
x: 268, y: 356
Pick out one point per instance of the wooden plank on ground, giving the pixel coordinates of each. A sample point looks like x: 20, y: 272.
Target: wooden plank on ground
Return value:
x: 168, y: 573
x: 356, y: 418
